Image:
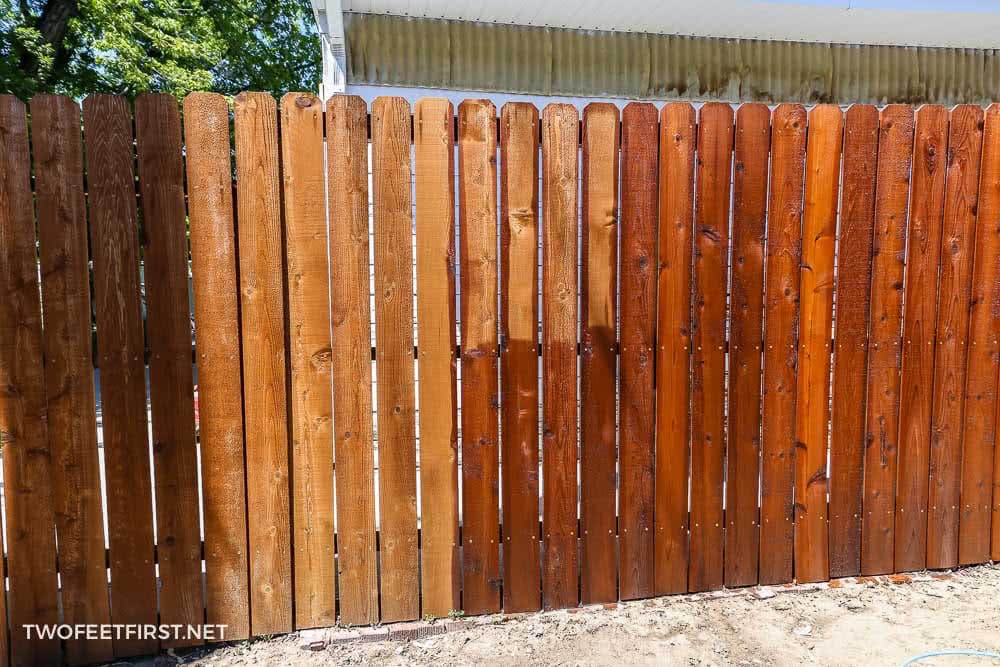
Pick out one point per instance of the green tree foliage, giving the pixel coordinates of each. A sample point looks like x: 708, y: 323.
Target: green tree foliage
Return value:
x: 174, y: 46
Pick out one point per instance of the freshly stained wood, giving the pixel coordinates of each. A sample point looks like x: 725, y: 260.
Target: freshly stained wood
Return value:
x: 347, y: 164
x: 598, y: 354
x: 979, y: 434
x: 850, y: 351
x: 171, y: 382
x: 881, y: 427
x: 519, y: 356
x: 217, y: 342
x: 394, y: 363
x: 919, y: 320
x: 781, y: 308
x: 560, y: 132
x: 27, y: 458
x: 958, y: 246
x: 477, y: 147
x: 310, y: 353
x: 435, y: 248
x: 114, y: 240
x: 263, y: 329
x: 746, y: 332
x: 715, y: 160
x: 673, y: 353
x: 638, y: 326
x: 819, y: 236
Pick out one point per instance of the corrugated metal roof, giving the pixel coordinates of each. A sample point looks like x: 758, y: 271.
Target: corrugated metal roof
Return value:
x: 464, y: 55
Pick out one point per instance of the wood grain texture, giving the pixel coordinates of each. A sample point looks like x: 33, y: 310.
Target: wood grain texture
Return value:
x: 958, y: 239
x: 746, y: 332
x: 560, y: 135
x: 519, y: 355
x: 979, y: 415
x: 114, y: 240
x: 217, y: 341
x: 347, y: 179
x: 433, y: 141
x: 638, y: 328
x: 30, y: 517
x: 882, y: 420
x: 819, y: 237
x: 598, y: 353
x: 850, y: 351
x: 673, y: 353
x: 397, y: 453
x: 919, y: 320
x: 171, y: 381
x: 477, y: 147
x: 781, y: 310
x: 262, y: 270
x: 309, y: 351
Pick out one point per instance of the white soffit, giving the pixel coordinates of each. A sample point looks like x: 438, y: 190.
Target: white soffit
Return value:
x: 958, y: 23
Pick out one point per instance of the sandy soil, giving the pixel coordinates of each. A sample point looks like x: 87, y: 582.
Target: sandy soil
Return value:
x: 881, y: 621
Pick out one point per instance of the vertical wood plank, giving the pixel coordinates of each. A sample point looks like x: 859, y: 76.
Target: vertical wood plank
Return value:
x: 919, y: 320
x: 819, y: 236
x: 171, y: 381
x: 850, y: 353
x: 114, y: 240
x: 746, y: 331
x: 984, y: 328
x: 477, y: 144
x: 309, y: 353
x: 715, y: 162
x: 433, y: 141
x: 519, y: 355
x: 27, y: 457
x: 781, y: 310
x: 958, y: 239
x: 263, y: 330
x: 881, y: 426
x: 673, y: 361
x: 598, y: 353
x: 347, y: 178
x: 638, y: 327
x: 393, y: 228
x: 560, y: 134
x: 217, y: 341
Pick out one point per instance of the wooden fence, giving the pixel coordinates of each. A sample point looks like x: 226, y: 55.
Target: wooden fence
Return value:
x: 767, y: 341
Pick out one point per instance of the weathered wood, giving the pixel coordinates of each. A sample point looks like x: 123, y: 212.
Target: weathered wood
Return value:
x: 27, y: 457
x: 781, y: 309
x: 715, y: 161
x: 746, y: 332
x: 477, y: 148
x: 217, y: 342
x: 347, y: 178
x: 262, y: 312
x: 850, y: 351
x: 673, y: 360
x: 309, y: 351
x: 958, y: 239
x: 433, y: 141
x: 819, y: 236
x: 919, y: 320
x: 114, y: 240
x: 638, y: 328
x: 519, y: 355
x: 598, y: 352
x: 560, y: 133
x: 397, y: 453
x: 881, y: 427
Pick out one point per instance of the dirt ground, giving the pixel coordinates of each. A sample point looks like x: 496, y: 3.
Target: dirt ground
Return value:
x: 880, y: 621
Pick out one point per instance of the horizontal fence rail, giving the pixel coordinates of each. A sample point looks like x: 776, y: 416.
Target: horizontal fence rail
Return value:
x: 468, y: 361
